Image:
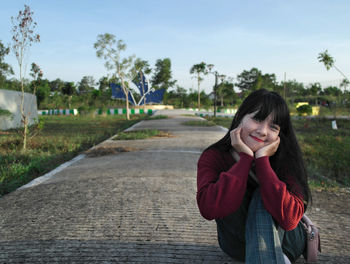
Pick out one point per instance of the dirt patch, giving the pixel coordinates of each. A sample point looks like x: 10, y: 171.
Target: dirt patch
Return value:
x: 164, y: 134
x: 105, y: 150
x: 142, y: 134
x: 5, y: 133
x: 332, y: 201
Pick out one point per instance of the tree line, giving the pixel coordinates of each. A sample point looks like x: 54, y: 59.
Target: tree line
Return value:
x: 91, y: 93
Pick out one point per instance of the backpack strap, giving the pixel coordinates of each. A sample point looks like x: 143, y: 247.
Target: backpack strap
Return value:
x: 313, y: 240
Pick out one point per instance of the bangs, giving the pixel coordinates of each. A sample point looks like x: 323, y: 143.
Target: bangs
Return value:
x: 269, y: 105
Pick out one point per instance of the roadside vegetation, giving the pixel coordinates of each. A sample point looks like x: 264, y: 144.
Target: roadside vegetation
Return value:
x: 199, y: 123
x: 326, y: 151
x: 157, y: 117
x: 138, y: 134
x: 59, y: 140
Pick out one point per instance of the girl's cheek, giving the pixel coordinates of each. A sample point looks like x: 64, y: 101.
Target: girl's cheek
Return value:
x: 274, y: 136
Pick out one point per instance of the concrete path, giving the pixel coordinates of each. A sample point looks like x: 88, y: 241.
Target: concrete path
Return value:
x: 137, y: 206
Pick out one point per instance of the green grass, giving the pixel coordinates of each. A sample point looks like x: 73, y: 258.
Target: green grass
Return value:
x: 220, y: 121
x: 137, y: 134
x: 62, y: 138
x: 326, y: 151
x: 199, y: 123
x: 157, y: 117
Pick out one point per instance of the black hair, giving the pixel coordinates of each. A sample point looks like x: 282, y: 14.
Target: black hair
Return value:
x: 287, y: 161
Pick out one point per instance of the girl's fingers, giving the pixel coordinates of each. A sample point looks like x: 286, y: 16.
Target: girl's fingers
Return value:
x: 235, y: 135
x: 277, y: 142
x: 237, y: 131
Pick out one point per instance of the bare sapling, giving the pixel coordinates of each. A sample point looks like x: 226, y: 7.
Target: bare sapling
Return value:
x: 23, y: 36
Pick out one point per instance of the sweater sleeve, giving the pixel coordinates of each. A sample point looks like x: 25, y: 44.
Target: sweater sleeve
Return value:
x: 220, y: 193
x: 285, y: 207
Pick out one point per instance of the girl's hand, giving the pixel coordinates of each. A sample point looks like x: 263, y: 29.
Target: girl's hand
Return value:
x: 237, y: 142
x: 268, y: 150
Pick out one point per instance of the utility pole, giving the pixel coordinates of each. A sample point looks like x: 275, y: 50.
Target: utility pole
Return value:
x: 216, y: 84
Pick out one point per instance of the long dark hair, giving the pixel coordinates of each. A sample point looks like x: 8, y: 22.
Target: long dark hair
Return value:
x: 287, y: 161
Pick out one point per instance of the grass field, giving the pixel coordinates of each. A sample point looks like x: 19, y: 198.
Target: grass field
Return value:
x: 138, y: 134
x: 61, y: 138
x: 326, y: 151
x: 199, y: 123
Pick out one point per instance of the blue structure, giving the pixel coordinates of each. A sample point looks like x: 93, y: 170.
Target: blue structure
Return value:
x: 118, y: 93
x: 155, y: 97
x: 147, y: 95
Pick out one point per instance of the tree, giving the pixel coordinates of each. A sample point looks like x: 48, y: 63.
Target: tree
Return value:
x: 181, y: 93
x: 56, y: 85
x: 269, y: 82
x: 177, y: 97
x: 5, y: 69
x: 37, y: 74
x: 162, y: 77
x: 328, y: 62
x: 193, y: 96
x: 345, y: 82
x: 103, y: 84
x: 69, y: 89
x: 23, y: 37
x: 108, y: 48
x: 225, y: 90
x: 332, y: 91
x: 315, y: 89
x: 142, y: 65
x: 253, y: 80
x: 326, y: 59
x: 294, y: 88
x: 95, y: 94
x: 86, y: 85
x: 42, y: 91
x: 198, y: 70
x: 247, y: 80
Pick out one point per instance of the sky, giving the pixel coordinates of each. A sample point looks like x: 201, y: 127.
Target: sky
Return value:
x: 276, y: 36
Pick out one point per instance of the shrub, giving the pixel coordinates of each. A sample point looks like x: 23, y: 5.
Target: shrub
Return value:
x: 304, y: 110
x: 4, y: 112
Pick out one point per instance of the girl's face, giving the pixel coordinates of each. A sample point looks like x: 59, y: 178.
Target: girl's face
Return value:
x: 257, y: 134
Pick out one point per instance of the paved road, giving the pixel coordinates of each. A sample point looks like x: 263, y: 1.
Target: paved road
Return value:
x: 130, y: 207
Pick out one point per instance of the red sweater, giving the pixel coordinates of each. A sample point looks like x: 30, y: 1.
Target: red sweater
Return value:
x: 222, y: 183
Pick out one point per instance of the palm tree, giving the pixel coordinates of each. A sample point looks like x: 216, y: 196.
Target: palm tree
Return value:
x: 199, y: 69
x: 328, y: 62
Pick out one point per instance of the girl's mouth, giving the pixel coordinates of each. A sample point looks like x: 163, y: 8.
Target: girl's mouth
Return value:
x: 257, y: 139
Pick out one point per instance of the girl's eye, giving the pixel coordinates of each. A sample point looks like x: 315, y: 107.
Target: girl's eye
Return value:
x: 274, y: 127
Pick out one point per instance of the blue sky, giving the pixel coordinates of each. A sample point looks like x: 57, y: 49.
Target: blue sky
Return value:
x: 276, y: 36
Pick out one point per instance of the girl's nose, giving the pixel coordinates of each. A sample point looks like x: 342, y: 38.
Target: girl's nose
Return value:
x: 262, y: 128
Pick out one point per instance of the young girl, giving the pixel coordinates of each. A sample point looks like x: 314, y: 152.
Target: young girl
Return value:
x: 254, y: 184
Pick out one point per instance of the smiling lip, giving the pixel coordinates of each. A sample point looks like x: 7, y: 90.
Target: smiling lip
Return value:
x: 257, y: 139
